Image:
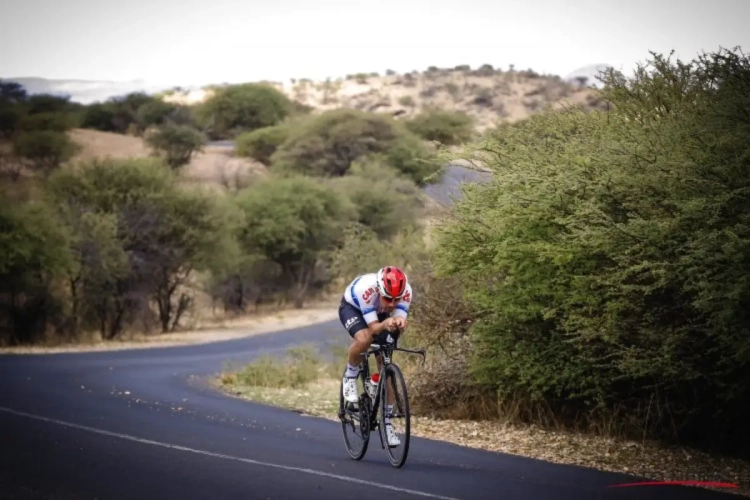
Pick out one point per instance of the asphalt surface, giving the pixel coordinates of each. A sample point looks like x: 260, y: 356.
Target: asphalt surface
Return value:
x: 141, y: 424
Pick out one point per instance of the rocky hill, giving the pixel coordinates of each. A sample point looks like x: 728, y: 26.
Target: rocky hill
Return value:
x: 487, y: 94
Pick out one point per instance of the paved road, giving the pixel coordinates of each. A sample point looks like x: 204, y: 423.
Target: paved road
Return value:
x: 142, y: 424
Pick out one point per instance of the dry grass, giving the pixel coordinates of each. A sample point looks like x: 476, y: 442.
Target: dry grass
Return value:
x: 305, y: 384
x: 214, y: 167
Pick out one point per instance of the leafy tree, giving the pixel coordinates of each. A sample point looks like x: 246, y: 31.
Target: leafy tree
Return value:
x: 262, y: 143
x: 45, y: 149
x: 158, y: 112
x: 293, y: 223
x: 133, y: 112
x: 99, y: 263
x: 608, y: 254
x: 383, y: 199
x: 12, y: 92
x: 100, y: 116
x: 444, y: 126
x: 326, y: 145
x: 47, y: 103
x: 237, y: 108
x: 167, y: 233
x: 32, y: 257
x: 10, y: 117
x: 53, y: 121
x: 176, y: 144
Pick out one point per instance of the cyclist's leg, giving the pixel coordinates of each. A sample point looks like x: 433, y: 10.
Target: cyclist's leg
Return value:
x: 393, y: 439
x: 355, y: 325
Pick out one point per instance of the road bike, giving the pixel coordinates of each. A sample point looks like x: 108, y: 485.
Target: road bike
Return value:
x: 369, y: 413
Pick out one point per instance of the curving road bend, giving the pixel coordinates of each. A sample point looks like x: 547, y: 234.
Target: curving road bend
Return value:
x: 141, y: 424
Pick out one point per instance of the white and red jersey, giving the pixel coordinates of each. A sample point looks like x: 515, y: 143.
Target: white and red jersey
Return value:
x: 363, y: 294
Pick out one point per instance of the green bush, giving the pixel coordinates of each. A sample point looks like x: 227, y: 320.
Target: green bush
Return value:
x: 609, y: 255
x: 157, y: 113
x: 163, y: 232
x: 101, y: 116
x: 46, y: 149
x: 383, y: 200
x: 10, y: 117
x: 176, y: 144
x: 292, y: 223
x: 326, y: 145
x: 361, y: 250
x: 444, y: 126
x: 53, y: 121
x: 33, y: 256
x: 262, y: 143
x: 240, y: 108
x: 134, y: 112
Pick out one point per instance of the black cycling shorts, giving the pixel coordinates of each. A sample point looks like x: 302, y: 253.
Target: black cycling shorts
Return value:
x: 352, y: 320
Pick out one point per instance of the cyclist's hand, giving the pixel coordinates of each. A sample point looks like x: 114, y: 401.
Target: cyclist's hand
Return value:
x: 400, y: 322
x: 389, y: 324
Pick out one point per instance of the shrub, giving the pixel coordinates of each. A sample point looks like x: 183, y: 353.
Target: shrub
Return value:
x: 33, y: 256
x: 262, y: 143
x: 292, y: 223
x: 239, y: 108
x: 163, y: 232
x: 609, y: 255
x: 56, y: 122
x: 176, y: 144
x: 444, y: 126
x: 383, y: 200
x: 45, y: 149
x: 327, y: 144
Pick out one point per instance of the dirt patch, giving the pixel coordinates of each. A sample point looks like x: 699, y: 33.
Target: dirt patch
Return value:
x: 225, y: 330
x: 319, y: 398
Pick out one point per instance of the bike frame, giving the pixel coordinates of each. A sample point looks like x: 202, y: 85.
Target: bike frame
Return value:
x: 385, y: 352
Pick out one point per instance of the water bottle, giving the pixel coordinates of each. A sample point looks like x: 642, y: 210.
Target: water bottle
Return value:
x: 372, y: 385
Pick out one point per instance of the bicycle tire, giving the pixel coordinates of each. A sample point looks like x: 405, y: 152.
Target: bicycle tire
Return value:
x: 392, y: 371
x: 342, y: 411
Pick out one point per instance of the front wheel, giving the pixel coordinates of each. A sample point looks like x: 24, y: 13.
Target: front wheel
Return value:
x: 400, y: 419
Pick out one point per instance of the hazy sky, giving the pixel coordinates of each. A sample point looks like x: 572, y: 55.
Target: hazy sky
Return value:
x: 190, y: 42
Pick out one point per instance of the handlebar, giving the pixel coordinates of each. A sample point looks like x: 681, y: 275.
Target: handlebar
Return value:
x: 375, y: 348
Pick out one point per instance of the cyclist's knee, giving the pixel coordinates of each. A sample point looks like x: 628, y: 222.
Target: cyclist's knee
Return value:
x: 363, y: 337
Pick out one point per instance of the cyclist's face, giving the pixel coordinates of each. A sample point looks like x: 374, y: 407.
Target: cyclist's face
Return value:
x: 388, y: 304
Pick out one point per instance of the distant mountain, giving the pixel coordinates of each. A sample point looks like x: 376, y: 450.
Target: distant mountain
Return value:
x: 84, y: 91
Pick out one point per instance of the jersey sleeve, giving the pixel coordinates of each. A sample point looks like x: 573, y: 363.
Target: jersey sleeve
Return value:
x: 402, y: 308
x: 365, y: 295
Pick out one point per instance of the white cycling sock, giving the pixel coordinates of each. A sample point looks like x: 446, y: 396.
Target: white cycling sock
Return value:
x: 351, y: 371
x: 388, y: 412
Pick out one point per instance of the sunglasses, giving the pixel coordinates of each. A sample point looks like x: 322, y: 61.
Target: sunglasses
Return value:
x: 389, y: 300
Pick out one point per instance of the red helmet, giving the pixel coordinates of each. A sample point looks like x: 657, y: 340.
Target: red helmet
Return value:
x: 391, y: 282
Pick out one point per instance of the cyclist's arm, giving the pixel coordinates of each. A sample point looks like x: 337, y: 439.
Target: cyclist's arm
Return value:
x: 369, y: 312
x: 376, y: 327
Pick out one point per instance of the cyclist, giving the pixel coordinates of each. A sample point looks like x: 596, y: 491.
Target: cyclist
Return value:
x: 372, y: 306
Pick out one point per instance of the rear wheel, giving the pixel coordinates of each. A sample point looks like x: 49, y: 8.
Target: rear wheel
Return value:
x: 355, y: 423
x: 400, y: 418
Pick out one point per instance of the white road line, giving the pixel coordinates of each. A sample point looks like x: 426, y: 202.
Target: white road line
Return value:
x: 219, y: 455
